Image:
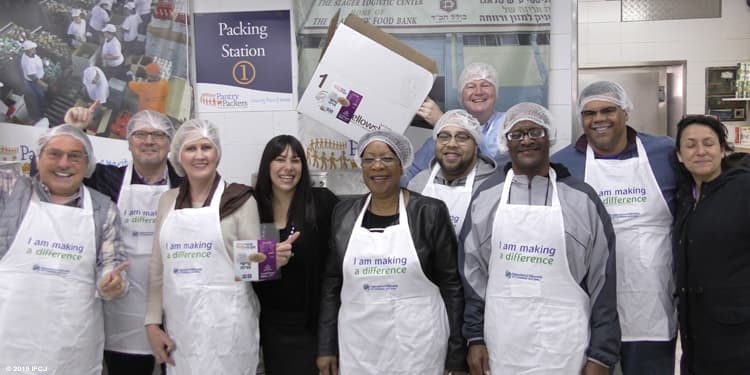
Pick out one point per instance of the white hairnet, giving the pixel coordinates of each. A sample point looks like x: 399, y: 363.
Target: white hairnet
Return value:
x: 75, y: 12
x: 189, y: 131
x: 27, y: 45
x: 72, y: 131
x: 109, y: 28
x: 89, y: 73
x: 476, y: 71
x: 148, y: 119
x: 397, y: 142
x: 526, y: 112
x: 607, y: 91
x: 461, y: 119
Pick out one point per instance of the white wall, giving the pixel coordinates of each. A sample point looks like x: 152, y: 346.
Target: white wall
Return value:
x: 563, y: 69
x: 604, y: 40
x: 244, y: 134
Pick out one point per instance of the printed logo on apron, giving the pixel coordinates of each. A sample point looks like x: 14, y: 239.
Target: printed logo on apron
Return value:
x: 49, y: 294
x: 533, y: 307
x: 123, y: 317
x: 642, y: 223
x: 392, y: 318
x: 457, y: 198
x: 212, y: 318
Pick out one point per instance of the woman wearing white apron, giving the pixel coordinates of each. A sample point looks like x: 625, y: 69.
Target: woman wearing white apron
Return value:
x: 50, y: 310
x: 392, y: 299
x: 211, y: 320
x: 538, y: 252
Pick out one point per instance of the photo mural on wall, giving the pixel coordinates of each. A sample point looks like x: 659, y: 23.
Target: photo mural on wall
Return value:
x: 128, y: 55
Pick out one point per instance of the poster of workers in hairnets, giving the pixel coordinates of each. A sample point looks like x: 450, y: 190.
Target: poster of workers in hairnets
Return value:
x: 115, y: 56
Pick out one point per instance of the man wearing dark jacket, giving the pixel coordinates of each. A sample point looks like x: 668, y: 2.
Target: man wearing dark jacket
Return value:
x: 136, y: 189
x: 458, y: 167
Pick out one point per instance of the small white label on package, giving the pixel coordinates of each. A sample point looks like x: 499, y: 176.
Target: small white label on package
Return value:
x: 255, y: 260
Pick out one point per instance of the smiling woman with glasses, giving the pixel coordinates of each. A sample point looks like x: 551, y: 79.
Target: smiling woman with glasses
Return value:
x: 392, y: 269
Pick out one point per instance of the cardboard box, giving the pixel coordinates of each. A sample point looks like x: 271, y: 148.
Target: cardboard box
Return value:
x: 366, y: 80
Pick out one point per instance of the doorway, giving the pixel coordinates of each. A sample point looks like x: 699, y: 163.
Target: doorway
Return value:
x: 657, y: 90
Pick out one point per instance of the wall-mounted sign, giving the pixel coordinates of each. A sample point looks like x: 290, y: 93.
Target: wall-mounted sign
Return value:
x: 243, y: 61
x: 425, y: 14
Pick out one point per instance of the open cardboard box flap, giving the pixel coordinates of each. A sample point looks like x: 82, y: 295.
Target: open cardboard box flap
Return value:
x: 380, y: 36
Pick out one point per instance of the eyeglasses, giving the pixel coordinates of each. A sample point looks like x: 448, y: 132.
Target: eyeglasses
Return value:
x: 460, y: 138
x: 386, y: 160
x: 141, y: 135
x: 606, y: 112
x: 75, y: 157
x: 534, y: 133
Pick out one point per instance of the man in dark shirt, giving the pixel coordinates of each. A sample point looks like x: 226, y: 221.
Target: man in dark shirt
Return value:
x: 136, y: 189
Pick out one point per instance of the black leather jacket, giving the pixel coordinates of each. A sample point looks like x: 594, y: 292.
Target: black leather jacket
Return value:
x: 436, y: 245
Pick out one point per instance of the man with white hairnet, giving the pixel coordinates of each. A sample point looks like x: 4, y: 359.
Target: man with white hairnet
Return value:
x: 538, y: 263
x: 96, y: 84
x: 634, y: 175
x: 136, y: 189
x: 459, y: 167
x: 130, y: 29
x: 77, y: 29
x: 60, y: 255
x: 32, y: 68
x: 99, y: 18
x: 477, y: 93
x: 112, y: 56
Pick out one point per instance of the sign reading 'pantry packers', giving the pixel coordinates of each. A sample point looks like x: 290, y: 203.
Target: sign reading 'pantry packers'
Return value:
x: 243, y: 61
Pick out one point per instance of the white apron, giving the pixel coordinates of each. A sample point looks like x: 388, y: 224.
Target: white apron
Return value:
x: 457, y: 198
x: 536, y: 318
x: 123, y: 317
x: 644, y: 251
x: 392, y: 318
x: 212, y: 319
x: 49, y: 312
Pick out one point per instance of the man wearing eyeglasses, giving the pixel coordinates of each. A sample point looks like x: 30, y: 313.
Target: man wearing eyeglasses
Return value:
x: 136, y: 189
x: 634, y: 176
x: 537, y: 257
x: 477, y: 93
x: 458, y: 167
x: 60, y: 255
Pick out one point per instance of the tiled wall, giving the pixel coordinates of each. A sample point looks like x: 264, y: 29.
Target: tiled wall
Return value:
x: 605, y: 41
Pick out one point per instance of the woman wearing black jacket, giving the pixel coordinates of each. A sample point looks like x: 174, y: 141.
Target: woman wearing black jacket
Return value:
x: 392, y: 299
x: 290, y: 305
x: 712, y: 250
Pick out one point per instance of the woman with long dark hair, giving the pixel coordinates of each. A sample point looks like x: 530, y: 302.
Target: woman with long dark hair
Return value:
x: 712, y: 249
x: 289, y: 305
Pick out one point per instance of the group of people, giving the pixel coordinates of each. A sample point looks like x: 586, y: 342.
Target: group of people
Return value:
x: 152, y: 90
x: 508, y: 263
